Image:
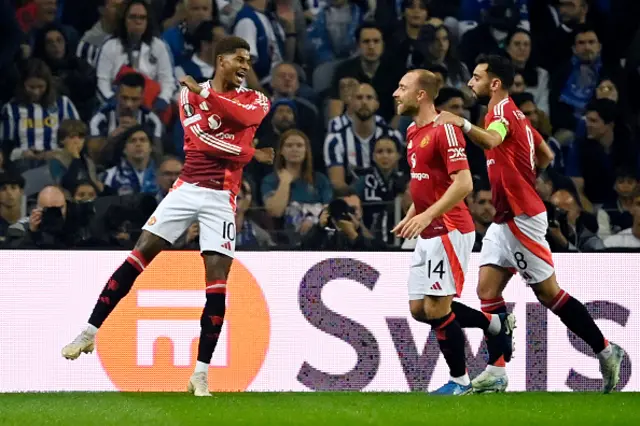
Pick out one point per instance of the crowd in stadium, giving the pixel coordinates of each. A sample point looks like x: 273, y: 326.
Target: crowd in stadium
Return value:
x: 90, y: 140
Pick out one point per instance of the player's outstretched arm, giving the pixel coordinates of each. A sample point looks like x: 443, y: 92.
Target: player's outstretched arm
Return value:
x: 485, y: 138
x: 399, y: 228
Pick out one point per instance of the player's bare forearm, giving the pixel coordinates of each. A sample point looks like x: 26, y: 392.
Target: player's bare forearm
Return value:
x: 485, y: 139
x: 544, y: 155
x: 411, y: 212
x: 461, y: 186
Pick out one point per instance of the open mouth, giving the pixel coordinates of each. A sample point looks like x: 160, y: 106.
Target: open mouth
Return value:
x: 240, y: 75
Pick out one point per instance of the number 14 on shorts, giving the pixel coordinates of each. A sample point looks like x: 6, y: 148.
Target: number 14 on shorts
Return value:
x: 438, y: 269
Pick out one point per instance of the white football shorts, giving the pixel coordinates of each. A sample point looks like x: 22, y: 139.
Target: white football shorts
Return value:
x: 520, y: 246
x: 439, y: 264
x: 186, y: 203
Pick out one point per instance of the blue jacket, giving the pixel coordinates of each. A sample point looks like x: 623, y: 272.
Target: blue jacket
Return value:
x: 319, y: 46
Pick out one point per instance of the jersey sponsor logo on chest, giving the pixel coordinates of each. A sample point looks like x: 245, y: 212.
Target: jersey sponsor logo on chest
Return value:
x: 419, y: 176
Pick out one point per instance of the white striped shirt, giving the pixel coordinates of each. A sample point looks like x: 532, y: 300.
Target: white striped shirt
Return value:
x: 106, y: 120
x: 342, y: 147
x: 33, y: 126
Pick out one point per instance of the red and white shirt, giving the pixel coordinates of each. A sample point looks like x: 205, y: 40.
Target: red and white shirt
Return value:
x: 435, y: 153
x: 219, y: 129
x: 512, y: 166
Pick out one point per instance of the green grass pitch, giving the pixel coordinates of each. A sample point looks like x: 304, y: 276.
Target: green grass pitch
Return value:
x: 324, y: 409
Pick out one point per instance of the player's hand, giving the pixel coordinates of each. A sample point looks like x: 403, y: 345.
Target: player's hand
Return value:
x: 189, y: 82
x: 446, y: 117
x: 265, y: 155
x: 397, y: 230
x: 416, y: 225
x: 35, y: 219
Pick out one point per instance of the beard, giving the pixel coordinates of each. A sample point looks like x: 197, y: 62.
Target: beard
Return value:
x: 482, y: 99
x: 284, y: 125
x: 364, y: 114
x: 409, y: 111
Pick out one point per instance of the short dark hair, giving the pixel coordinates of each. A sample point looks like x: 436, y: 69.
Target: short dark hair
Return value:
x: 229, y: 45
x: 7, y: 178
x: 132, y: 79
x: 522, y: 98
x: 606, y: 109
x: 446, y: 94
x: 623, y: 172
x: 69, y: 128
x: 344, y: 193
x: 367, y: 26
x: 204, y: 32
x: 480, y: 184
x: 406, y: 4
x: 500, y: 67
x: 582, y: 29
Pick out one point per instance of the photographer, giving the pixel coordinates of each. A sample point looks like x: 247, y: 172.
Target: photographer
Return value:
x: 570, y: 228
x: 340, y: 227
x: 46, y: 227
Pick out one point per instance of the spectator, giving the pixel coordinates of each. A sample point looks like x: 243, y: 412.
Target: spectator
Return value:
x: 592, y: 161
x: 369, y: 67
x: 201, y: 64
x: 84, y: 191
x: 71, y: 165
x: 569, y: 229
x: 440, y: 50
x: 11, y: 193
x: 269, y: 41
x: 340, y: 227
x: 29, y: 123
x: 404, y: 41
x: 471, y: 12
x: 120, y: 114
x: 490, y: 36
x: 482, y: 210
x: 135, y: 47
x: 46, y: 14
x: 332, y: 34
x: 575, y: 82
x: 46, y: 227
x: 616, y: 216
x: 348, y: 147
x: 536, y: 79
x: 378, y: 188
x: 294, y: 192
x: 285, y: 84
x: 281, y: 118
x: 249, y: 233
x: 168, y: 172
x: 628, y: 238
x: 74, y: 77
x: 135, y: 171
x: 91, y: 42
x: 181, y: 38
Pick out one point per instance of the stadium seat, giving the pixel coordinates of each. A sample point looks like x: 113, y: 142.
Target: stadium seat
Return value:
x: 323, y: 75
x: 36, y: 179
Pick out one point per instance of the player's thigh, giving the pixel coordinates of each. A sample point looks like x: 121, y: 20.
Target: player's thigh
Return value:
x: 529, y: 248
x: 150, y: 245
x: 445, y: 262
x: 417, y: 278
x: 437, y: 306
x: 174, y: 214
x: 216, y: 266
x: 416, y: 307
x: 217, y: 222
x: 496, y: 266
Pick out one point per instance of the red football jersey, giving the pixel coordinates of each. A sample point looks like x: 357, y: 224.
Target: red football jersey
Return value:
x: 218, y: 134
x: 434, y: 153
x: 512, y: 166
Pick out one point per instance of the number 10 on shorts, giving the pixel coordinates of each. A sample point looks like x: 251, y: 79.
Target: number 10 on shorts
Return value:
x: 229, y: 231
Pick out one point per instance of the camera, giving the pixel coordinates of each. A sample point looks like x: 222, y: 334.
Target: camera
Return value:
x: 52, y: 220
x: 340, y: 210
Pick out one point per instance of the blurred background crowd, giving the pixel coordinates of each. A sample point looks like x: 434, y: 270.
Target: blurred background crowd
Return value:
x: 90, y: 141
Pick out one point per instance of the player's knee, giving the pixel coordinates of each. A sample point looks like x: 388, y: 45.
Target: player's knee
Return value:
x: 437, y: 307
x: 487, y: 291
x: 217, y: 266
x: 416, y: 307
x: 149, y: 245
x: 546, y: 291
